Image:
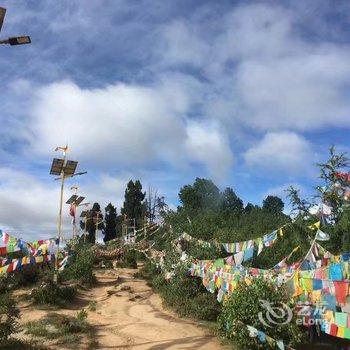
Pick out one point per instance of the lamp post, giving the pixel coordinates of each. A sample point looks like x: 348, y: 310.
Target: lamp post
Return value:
x: 97, y: 222
x: 14, y: 40
x: 75, y: 201
x: 65, y: 169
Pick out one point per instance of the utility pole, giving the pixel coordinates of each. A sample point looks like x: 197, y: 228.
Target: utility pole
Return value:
x: 97, y: 223
x: 85, y: 222
x: 64, y: 168
x: 59, y: 227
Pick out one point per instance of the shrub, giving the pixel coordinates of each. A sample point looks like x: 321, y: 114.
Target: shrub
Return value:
x: 187, y: 296
x: 80, y: 266
x: 242, y: 308
x: 50, y: 293
x: 9, y: 313
x: 67, y: 330
x: 26, y: 276
x: 19, y: 344
x: 128, y: 260
x: 92, y: 305
x: 148, y: 272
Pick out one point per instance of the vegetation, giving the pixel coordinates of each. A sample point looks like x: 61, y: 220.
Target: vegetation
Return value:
x: 242, y: 308
x: 67, y: 331
x: 90, y: 225
x: 9, y: 313
x: 112, y: 227
x: 81, y: 264
x: 210, y: 215
x: 50, y: 293
x: 133, y: 206
x: 187, y: 296
x: 129, y: 259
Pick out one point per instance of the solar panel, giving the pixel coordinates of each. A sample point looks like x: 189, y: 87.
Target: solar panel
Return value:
x: 72, y: 199
x: 70, y: 167
x: 57, y: 166
x: 2, y: 16
x: 79, y: 200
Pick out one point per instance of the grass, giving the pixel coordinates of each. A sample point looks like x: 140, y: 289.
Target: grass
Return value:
x: 16, y: 344
x: 64, y: 330
x: 92, y: 306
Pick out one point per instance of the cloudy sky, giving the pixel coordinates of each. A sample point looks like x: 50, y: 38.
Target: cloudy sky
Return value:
x: 247, y: 93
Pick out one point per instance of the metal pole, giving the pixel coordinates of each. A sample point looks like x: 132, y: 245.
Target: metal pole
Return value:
x: 73, y: 227
x: 55, y: 277
x: 85, y: 222
x: 97, y: 214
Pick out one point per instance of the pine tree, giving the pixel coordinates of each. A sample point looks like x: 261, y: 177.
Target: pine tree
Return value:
x: 134, y: 207
x: 110, y: 230
x: 231, y: 201
x: 273, y: 204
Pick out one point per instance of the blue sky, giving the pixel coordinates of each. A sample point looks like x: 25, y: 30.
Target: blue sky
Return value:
x: 247, y: 93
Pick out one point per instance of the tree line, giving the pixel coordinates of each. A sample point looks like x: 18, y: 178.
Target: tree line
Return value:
x: 198, y: 202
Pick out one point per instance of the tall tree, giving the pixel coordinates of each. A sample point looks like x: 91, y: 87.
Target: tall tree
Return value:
x: 230, y: 201
x: 134, y: 207
x: 154, y: 204
x: 273, y: 204
x: 110, y: 229
x: 94, y: 221
x: 202, y: 195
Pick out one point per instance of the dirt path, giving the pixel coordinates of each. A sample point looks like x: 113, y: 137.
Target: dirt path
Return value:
x: 130, y: 316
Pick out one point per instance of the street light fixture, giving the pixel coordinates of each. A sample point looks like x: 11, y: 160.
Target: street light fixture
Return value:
x: 75, y: 201
x: 64, y: 168
x: 15, y: 40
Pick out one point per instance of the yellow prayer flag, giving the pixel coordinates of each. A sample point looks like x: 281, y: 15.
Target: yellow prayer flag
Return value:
x: 315, y: 226
x: 280, y: 232
x: 340, y: 332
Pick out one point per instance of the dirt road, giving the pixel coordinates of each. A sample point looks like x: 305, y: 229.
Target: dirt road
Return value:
x: 130, y: 316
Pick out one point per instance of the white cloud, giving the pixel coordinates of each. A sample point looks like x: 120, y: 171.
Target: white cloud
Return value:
x: 29, y: 206
x: 206, y: 143
x: 284, y: 151
x: 263, y: 74
x: 124, y: 125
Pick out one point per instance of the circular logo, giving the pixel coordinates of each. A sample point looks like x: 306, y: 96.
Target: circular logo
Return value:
x: 275, y: 314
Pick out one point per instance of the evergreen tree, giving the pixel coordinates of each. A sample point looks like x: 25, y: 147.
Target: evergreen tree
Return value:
x: 134, y: 207
x: 273, y: 204
x: 230, y: 201
x: 249, y: 207
x: 110, y: 230
x: 202, y: 195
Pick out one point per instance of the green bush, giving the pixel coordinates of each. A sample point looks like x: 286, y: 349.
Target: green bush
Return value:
x: 80, y: 266
x: 50, y: 293
x: 243, y: 307
x: 128, y: 259
x: 187, y: 296
x: 9, y: 313
x: 149, y: 271
x: 66, y: 330
x: 27, y: 276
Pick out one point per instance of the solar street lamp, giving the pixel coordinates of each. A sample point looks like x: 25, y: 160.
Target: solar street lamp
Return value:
x: 75, y: 201
x: 15, y: 40
x: 65, y: 169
